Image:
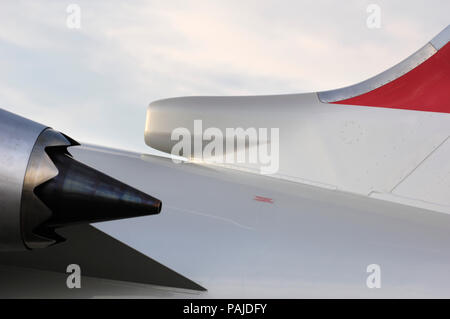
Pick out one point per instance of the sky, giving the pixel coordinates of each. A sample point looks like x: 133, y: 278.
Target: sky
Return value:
x: 94, y: 82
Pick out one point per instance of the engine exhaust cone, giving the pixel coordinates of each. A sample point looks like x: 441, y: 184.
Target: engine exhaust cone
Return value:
x: 81, y: 194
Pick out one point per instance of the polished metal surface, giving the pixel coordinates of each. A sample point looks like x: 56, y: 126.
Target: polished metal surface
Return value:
x: 42, y: 187
x: 391, y: 74
x: 40, y: 169
x: 17, y: 138
x: 441, y: 39
x: 379, y: 80
x: 59, y: 191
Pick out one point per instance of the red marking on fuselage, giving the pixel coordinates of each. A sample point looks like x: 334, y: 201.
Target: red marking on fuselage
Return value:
x: 424, y: 88
x: 263, y: 199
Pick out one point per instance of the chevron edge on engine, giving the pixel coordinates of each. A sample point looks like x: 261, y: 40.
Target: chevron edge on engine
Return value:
x: 43, y: 188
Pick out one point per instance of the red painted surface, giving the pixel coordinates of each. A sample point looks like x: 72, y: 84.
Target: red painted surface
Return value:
x: 424, y: 88
x: 263, y: 199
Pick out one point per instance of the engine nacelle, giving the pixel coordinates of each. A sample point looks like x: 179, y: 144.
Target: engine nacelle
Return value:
x: 42, y: 187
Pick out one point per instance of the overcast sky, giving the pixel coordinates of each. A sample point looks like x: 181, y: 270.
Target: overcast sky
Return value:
x: 95, y: 82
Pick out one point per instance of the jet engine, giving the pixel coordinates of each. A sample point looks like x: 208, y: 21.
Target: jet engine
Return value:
x: 42, y: 187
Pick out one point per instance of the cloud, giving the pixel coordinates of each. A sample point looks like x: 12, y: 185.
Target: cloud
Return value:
x: 95, y: 83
